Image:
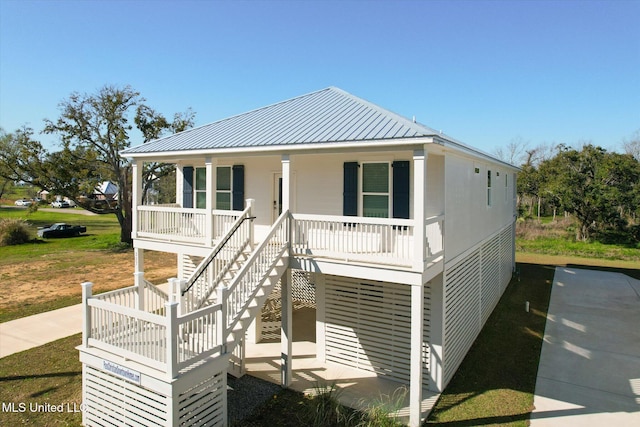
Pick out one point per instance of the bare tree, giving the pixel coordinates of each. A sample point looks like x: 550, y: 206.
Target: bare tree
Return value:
x: 631, y: 145
x: 513, y: 152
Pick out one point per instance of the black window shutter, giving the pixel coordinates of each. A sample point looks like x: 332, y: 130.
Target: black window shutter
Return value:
x: 237, y: 198
x: 350, y: 194
x: 187, y: 187
x: 401, y: 189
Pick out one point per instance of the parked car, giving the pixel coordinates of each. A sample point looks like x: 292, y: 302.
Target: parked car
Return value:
x: 61, y: 229
x: 23, y: 202
x: 60, y: 204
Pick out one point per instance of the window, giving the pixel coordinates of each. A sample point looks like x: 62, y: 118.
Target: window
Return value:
x: 200, y: 190
x: 488, y: 188
x: 506, y: 187
x: 223, y: 188
x: 375, y: 190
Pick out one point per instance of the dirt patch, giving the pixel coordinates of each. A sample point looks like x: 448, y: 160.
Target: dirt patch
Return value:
x: 60, y: 275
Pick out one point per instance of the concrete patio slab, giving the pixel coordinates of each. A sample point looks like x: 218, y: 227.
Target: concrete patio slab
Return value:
x: 357, y: 388
x: 589, y: 372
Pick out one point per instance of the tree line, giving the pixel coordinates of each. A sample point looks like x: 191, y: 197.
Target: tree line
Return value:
x: 599, y: 188
x: 93, y: 130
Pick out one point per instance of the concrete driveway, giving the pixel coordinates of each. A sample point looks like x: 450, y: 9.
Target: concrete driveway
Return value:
x: 589, y: 372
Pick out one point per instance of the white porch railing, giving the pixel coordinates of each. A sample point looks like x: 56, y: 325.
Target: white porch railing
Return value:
x: 181, y: 224
x: 145, y: 296
x: 193, y: 292
x: 247, y: 282
x: 166, y: 342
x: 372, y: 240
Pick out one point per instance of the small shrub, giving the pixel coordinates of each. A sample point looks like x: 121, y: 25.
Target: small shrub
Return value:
x: 119, y: 247
x: 324, y: 406
x: 383, y: 412
x: 13, y: 231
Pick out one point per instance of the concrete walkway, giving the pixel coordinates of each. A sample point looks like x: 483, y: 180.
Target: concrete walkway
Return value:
x: 39, y: 329
x: 589, y: 372
x: 33, y: 331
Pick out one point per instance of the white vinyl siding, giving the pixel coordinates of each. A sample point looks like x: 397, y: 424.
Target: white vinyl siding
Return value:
x: 375, y: 190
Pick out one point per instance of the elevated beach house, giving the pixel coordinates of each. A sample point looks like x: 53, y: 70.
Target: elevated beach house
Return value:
x: 403, y: 236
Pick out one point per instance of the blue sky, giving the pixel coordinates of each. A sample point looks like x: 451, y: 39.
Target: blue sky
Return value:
x: 484, y: 72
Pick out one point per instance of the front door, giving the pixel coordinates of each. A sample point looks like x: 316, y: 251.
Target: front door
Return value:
x: 277, y: 196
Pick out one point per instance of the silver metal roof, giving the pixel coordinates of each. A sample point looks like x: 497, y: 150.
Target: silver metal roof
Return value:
x: 328, y: 115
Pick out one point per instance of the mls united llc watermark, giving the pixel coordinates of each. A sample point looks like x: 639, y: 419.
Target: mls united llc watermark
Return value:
x: 21, y: 407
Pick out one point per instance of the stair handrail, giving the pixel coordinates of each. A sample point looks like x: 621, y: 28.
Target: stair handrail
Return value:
x: 249, y: 263
x: 244, y: 216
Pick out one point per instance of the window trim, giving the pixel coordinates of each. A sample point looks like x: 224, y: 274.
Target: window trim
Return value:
x: 196, y: 190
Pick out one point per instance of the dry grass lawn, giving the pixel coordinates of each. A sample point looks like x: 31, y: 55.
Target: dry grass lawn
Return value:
x: 53, y: 280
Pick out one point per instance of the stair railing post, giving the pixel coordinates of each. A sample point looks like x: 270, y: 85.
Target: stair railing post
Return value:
x: 182, y: 307
x: 173, y: 289
x: 86, y: 314
x: 250, y: 203
x: 139, y: 282
x: 172, y: 339
x: 221, y: 317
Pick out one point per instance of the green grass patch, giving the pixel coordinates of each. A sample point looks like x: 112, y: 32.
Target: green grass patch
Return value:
x: 47, y: 375
x: 559, y: 246
x: 496, y: 382
x: 34, y: 306
x: 103, y: 232
x: 557, y: 238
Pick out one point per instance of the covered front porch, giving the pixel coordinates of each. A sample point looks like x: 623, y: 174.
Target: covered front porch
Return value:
x: 379, y: 210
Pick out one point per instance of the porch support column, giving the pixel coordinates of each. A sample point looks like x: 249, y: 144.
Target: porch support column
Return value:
x: 136, y: 200
x: 138, y: 260
x: 419, y: 208
x: 286, y: 332
x: 286, y: 182
x: 136, y: 194
x: 415, y: 386
x: 179, y: 184
x: 209, y: 166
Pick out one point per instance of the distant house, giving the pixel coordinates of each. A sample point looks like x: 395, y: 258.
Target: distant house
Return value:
x: 106, y: 190
x: 404, y: 236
